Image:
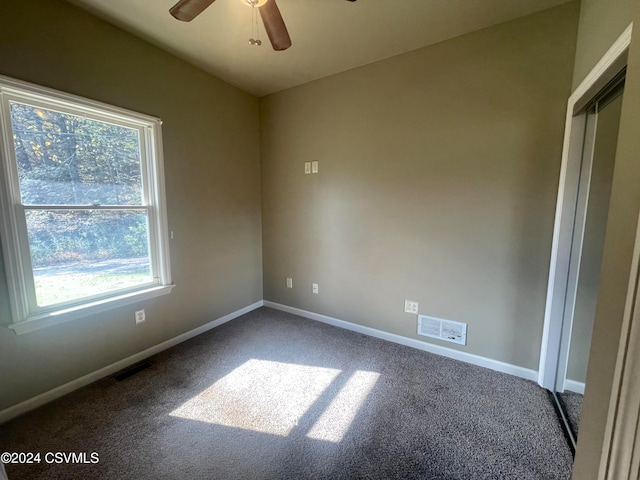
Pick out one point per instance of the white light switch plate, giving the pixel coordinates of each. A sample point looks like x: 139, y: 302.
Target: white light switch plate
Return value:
x: 314, y: 167
x: 140, y: 316
x: 307, y: 168
x: 411, y: 307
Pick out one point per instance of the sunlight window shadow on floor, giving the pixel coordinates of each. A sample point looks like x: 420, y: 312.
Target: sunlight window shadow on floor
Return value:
x: 261, y: 396
x: 336, y: 420
x: 272, y: 397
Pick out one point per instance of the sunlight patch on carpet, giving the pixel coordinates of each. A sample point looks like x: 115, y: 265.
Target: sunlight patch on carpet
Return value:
x: 261, y: 396
x: 336, y: 420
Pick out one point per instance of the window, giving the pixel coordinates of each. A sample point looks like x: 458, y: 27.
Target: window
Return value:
x: 83, y: 212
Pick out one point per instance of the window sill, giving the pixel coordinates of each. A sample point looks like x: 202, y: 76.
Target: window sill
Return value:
x: 49, y: 319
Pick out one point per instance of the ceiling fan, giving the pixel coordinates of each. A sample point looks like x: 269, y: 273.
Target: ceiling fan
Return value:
x: 187, y: 10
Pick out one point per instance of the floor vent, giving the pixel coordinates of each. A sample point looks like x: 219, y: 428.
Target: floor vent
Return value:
x: 446, y: 330
x: 131, y: 371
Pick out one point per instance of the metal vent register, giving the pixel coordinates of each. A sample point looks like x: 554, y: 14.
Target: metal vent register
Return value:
x: 446, y: 330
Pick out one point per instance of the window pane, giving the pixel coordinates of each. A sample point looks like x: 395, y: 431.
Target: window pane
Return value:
x: 81, y: 253
x: 65, y: 159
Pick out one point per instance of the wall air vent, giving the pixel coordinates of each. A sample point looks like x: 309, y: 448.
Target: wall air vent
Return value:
x: 446, y: 330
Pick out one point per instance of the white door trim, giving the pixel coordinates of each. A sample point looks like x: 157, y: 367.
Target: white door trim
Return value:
x: 557, y: 288
x: 621, y: 449
x: 585, y: 168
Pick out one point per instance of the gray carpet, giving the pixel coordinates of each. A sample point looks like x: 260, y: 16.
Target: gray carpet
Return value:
x: 573, y: 407
x: 274, y: 396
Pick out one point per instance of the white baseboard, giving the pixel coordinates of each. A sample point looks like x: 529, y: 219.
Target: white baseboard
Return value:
x: 574, y: 386
x: 411, y: 342
x: 50, y: 395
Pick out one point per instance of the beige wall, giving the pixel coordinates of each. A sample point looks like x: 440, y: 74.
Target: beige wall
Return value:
x: 601, y: 23
x: 212, y: 168
x: 438, y: 178
x: 621, y: 230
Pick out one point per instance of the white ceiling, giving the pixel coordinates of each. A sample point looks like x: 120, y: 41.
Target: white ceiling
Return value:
x: 329, y: 36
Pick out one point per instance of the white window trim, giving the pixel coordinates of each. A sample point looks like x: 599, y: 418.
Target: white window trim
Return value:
x: 16, y: 255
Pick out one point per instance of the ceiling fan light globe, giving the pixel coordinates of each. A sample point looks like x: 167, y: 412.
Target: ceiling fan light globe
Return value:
x: 254, y: 3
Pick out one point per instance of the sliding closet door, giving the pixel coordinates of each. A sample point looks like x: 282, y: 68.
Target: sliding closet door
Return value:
x: 601, y: 138
x: 593, y: 245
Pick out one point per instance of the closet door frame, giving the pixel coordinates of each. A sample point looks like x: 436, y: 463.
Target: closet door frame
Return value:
x: 555, y: 349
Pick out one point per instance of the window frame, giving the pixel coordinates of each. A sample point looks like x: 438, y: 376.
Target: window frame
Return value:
x: 26, y: 315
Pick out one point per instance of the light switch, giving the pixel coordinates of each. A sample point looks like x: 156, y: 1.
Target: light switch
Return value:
x: 140, y: 316
x: 314, y: 167
x: 307, y: 168
x: 289, y: 282
x: 411, y: 307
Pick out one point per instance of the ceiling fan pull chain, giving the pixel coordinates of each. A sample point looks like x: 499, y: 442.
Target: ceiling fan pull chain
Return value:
x: 255, y: 16
x: 255, y: 30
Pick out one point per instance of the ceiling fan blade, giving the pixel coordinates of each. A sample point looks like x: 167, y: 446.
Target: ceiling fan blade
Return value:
x: 274, y: 25
x: 187, y: 10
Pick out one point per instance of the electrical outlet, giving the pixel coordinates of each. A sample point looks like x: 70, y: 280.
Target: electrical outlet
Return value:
x: 289, y: 282
x: 411, y: 307
x: 314, y: 287
x: 140, y: 316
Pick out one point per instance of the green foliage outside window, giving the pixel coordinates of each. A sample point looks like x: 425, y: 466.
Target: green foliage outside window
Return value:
x: 66, y: 159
